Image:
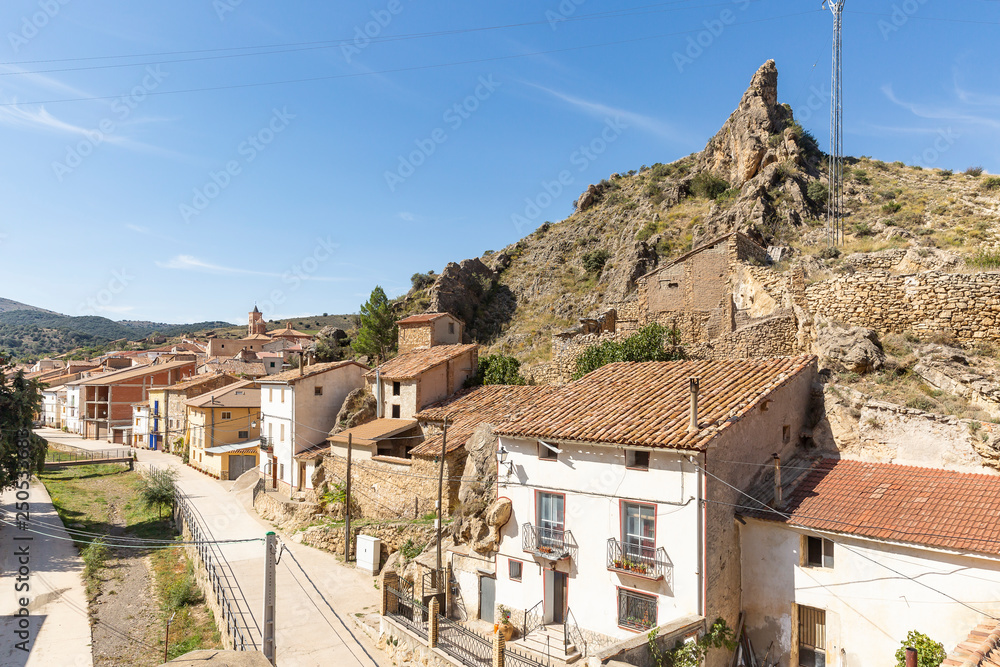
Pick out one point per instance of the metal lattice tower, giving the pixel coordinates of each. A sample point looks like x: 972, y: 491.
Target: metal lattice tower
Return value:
x: 835, y: 201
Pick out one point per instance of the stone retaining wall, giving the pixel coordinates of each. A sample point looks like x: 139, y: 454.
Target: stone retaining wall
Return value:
x: 392, y: 534
x: 962, y: 305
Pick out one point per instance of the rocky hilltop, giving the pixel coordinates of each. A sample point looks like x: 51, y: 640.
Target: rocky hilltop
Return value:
x: 761, y: 174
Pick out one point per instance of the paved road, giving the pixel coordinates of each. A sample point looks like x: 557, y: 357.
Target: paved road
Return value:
x: 313, y: 627
x: 58, y: 631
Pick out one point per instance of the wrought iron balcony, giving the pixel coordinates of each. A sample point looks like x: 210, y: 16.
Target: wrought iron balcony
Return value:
x: 266, y: 444
x: 638, y: 561
x: 547, y: 543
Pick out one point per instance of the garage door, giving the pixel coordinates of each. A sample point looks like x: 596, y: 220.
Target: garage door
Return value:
x: 239, y: 464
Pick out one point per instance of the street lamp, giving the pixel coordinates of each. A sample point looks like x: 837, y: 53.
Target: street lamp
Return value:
x: 502, y: 455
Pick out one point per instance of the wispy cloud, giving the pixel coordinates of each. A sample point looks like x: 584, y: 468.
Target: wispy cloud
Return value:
x: 146, y: 231
x: 939, y: 112
x: 600, y: 110
x: 192, y: 263
x: 407, y: 216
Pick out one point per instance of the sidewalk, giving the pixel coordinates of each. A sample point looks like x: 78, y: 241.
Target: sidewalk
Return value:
x: 312, y: 628
x: 59, y: 627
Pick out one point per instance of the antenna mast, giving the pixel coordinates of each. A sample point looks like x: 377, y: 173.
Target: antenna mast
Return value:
x: 835, y: 201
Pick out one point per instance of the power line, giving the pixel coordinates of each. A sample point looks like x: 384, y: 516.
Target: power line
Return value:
x: 396, y: 70
x: 102, y: 539
x: 788, y: 518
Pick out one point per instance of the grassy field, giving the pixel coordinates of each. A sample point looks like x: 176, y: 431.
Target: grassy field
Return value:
x: 104, y: 499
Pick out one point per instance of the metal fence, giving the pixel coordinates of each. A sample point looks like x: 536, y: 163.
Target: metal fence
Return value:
x: 409, y: 613
x: 76, y: 455
x: 464, y: 645
x: 236, y: 615
x: 512, y: 658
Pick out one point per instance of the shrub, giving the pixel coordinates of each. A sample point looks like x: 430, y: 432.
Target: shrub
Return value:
x: 707, y: 185
x: 157, y: 489
x: 991, y: 183
x: 497, y: 369
x: 647, y: 230
x: 647, y: 344
x: 891, y: 207
x: 421, y: 281
x: 94, y: 555
x: 929, y: 652
x: 946, y: 173
x: 861, y: 229
x: 409, y: 550
x: 861, y: 176
x: 898, y: 163
x: 818, y: 193
x: 183, y: 593
x: 660, y: 171
x: 829, y: 252
x: 975, y: 172
x: 984, y: 259
x: 594, y: 261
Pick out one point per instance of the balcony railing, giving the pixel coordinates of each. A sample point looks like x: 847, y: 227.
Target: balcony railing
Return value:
x: 548, y: 543
x: 637, y: 560
x: 636, y: 611
x: 266, y: 444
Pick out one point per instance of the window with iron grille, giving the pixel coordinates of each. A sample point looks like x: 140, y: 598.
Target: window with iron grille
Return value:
x: 636, y: 611
x: 515, y: 569
x: 812, y: 637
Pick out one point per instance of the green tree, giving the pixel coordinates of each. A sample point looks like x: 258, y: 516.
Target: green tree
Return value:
x: 929, y: 652
x: 647, y: 344
x: 377, y: 332
x: 158, y: 489
x: 497, y: 369
x: 20, y: 401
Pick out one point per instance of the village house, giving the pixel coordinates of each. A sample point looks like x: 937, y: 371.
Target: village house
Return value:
x: 140, y: 425
x: 167, y: 406
x: 622, y: 487
x: 850, y: 556
x: 223, y: 430
x: 425, y: 371
x: 106, y: 399
x: 298, y: 409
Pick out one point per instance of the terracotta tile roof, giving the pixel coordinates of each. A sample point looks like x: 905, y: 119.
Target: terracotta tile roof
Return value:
x: 468, y: 409
x: 288, y: 331
x: 136, y: 372
x: 243, y: 394
x: 292, y: 376
x: 411, y: 364
x: 420, y: 319
x: 981, y: 647
x: 936, y: 508
x: 374, y: 430
x: 193, y: 382
x: 647, y: 404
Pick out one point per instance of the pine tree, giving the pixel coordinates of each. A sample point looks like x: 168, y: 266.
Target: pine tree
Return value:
x: 20, y: 401
x: 377, y: 331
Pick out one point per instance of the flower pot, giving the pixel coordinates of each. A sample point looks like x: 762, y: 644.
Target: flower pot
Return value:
x: 506, y: 631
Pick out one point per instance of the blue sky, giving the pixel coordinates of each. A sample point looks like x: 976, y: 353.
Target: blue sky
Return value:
x: 124, y: 196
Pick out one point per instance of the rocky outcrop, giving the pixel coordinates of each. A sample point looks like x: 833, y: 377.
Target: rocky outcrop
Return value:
x: 856, y: 349
x: 949, y: 369
x: 480, y: 517
x: 462, y: 288
x: 754, y: 135
x: 359, y: 408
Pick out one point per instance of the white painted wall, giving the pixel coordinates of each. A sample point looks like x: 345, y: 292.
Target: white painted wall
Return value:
x: 593, y: 515
x: 50, y: 406
x: 870, y: 608
x: 73, y: 408
x: 307, y: 418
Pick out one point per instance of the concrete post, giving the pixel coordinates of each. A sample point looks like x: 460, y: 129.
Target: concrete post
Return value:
x: 268, y: 627
x: 499, y: 645
x: 432, y: 622
x: 390, y: 605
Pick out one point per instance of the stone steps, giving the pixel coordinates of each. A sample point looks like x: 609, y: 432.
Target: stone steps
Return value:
x: 548, y: 641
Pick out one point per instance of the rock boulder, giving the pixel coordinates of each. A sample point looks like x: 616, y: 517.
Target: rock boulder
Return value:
x: 854, y: 349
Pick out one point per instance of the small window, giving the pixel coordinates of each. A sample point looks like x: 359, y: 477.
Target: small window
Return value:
x: 818, y: 552
x: 451, y: 330
x: 227, y: 415
x: 243, y: 435
x: 546, y: 453
x: 282, y: 436
x: 281, y: 470
x: 636, y: 459
x: 395, y: 412
x: 282, y: 395
x: 786, y: 433
x: 395, y: 389
x: 317, y: 391
x: 270, y: 393
x: 515, y: 570
x: 272, y: 364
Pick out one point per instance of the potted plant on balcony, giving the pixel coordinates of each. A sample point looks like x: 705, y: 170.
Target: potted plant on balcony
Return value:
x: 504, y: 627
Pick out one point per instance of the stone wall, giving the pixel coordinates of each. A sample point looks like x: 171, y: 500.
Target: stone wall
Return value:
x: 770, y: 337
x: 393, y: 535
x: 389, y: 487
x: 965, y: 306
x: 414, y: 337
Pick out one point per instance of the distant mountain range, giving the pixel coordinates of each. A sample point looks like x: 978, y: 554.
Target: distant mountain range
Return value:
x: 28, y: 331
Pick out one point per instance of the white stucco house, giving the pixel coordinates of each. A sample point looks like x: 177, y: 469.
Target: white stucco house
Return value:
x: 623, y: 487
x: 140, y: 425
x: 855, y: 555
x: 298, y: 409
x: 51, y: 412
x: 74, y: 417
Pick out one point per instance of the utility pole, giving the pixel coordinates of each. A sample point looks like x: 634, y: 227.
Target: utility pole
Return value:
x: 347, y: 505
x: 835, y: 199
x: 267, y: 624
x: 440, y: 505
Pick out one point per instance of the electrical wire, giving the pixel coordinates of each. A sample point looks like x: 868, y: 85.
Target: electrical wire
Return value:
x: 396, y: 70
x: 124, y: 546
x: 816, y: 533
